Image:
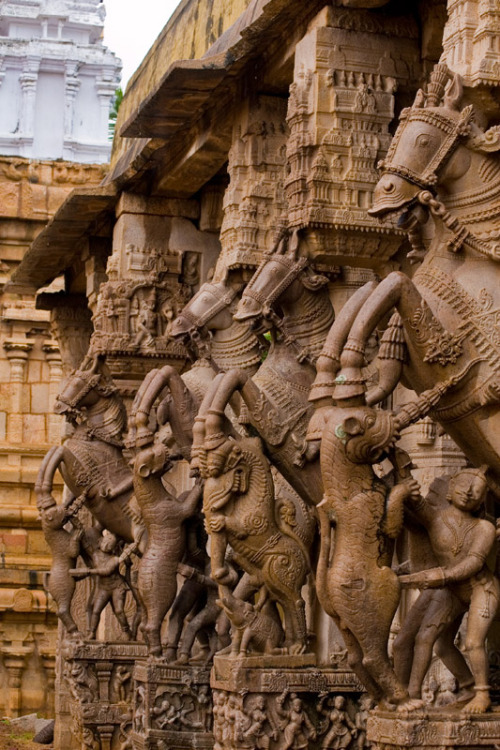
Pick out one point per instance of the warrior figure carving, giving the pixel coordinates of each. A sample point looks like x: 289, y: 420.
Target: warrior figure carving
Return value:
x: 163, y: 515
x: 238, y: 503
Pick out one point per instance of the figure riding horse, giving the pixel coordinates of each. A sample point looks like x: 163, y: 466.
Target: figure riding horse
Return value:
x: 287, y: 296
x: 446, y: 325
x: 206, y: 326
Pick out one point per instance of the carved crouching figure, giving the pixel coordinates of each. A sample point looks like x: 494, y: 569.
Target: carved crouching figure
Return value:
x: 163, y: 515
x: 355, y: 583
x: 239, y: 509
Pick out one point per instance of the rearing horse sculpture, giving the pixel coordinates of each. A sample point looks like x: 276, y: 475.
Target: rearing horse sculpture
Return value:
x: 446, y: 328
x: 206, y: 325
x: 91, y: 460
x: 288, y: 297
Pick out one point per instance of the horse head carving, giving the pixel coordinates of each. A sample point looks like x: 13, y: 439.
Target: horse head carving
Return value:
x: 439, y: 152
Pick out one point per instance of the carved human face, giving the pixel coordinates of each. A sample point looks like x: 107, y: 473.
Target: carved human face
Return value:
x: 467, y: 492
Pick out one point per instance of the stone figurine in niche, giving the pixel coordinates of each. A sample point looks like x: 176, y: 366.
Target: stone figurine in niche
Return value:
x: 108, y: 585
x: 91, y: 460
x: 440, y: 164
x: 146, y: 322
x: 460, y: 582
x: 122, y: 683
x: 363, y: 709
x: 163, y: 515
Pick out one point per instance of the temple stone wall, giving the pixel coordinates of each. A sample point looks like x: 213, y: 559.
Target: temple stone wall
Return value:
x: 30, y: 377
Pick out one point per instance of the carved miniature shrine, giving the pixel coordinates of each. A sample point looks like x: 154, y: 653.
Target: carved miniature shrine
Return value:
x: 281, y: 460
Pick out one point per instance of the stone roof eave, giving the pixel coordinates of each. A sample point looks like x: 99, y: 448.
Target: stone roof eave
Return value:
x: 55, y: 248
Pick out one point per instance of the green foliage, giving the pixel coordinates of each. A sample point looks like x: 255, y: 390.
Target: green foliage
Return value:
x: 114, y: 113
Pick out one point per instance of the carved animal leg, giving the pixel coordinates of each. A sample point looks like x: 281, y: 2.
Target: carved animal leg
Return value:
x: 284, y: 575
x: 45, y: 477
x: 204, y: 619
x: 181, y: 411
x: 379, y: 596
x: 61, y: 588
x: 158, y: 586
x: 396, y: 290
x: 329, y: 360
x: 355, y: 661
x: 185, y: 601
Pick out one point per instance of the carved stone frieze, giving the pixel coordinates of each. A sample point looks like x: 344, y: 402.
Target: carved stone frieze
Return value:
x: 433, y: 729
x: 98, y: 679
x: 285, y: 706
x: 172, y: 707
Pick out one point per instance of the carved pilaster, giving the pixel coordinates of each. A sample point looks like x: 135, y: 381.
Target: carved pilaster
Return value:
x: 49, y: 666
x: 105, y: 91
x: 29, y: 81
x: 53, y: 357
x: 71, y: 88
x: 14, y: 660
x: 340, y: 107
x: 71, y: 325
x: 17, y: 354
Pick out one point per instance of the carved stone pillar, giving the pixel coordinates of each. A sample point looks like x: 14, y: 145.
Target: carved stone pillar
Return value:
x: 17, y: 354
x: 158, y: 258
x: 106, y: 735
x: 254, y: 202
x: 340, y: 107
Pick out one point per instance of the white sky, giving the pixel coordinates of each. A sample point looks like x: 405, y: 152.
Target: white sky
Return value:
x: 131, y: 27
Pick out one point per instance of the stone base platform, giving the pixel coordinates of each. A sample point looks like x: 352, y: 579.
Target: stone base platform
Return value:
x: 96, y: 694
x: 434, y: 729
x: 172, y: 707
x: 257, y: 706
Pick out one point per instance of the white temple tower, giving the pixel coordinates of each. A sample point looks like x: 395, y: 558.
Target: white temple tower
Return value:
x: 57, y: 80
